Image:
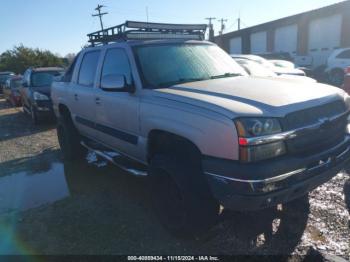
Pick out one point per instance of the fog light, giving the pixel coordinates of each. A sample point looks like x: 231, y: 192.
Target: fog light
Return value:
x: 262, y: 152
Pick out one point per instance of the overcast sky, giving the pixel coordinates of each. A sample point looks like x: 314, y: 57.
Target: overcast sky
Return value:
x: 61, y: 25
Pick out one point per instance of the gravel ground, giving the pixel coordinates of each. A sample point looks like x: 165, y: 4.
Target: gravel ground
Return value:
x: 94, y: 208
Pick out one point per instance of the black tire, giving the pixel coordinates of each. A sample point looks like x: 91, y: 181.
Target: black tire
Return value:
x: 34, y: 116
x: 181, y: 197
x: 69, y: 140
x: 336, y: 77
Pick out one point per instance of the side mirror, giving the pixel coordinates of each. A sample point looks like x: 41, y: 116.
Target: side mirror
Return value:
x: 115, y: 83
x: 24, y: 84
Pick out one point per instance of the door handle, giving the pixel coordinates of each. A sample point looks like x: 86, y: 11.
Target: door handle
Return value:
x: 76, y: 98
x: 98, y: 101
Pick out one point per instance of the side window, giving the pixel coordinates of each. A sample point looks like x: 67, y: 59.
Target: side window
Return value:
x: 69, y: 73
x: 88, y: 68
x: 344, y: 55
x: 117, y: 63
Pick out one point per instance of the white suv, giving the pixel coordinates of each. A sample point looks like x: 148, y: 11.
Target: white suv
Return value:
x: 337, y: 62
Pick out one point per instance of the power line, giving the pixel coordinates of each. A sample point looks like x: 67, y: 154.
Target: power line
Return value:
x: 100, y: 15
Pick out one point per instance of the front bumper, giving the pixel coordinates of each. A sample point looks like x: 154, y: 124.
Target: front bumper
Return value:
x: 261, y: 185
x: 44, y: 108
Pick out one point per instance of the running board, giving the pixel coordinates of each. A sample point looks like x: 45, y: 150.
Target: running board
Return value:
x: 119, y: 160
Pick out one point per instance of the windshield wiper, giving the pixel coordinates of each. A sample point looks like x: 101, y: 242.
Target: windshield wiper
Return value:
x: 226, y: 75
x: 180, y: 81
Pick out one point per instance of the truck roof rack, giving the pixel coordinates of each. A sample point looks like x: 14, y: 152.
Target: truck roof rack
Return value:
x: 132, y: 30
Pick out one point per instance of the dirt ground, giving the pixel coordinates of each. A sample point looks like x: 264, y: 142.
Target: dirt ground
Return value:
x: 51, y: 207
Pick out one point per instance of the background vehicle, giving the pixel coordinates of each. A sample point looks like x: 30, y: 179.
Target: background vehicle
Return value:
x: 255, y: 69
x: 337, y: 62
x: 271, y: 66
x: 184, y: 113
x: 283, y: 64
x: 36, y: 92
x: 12, y: 90
x: 3, y: 78
x: 277, y: 56
x: 346, y: 85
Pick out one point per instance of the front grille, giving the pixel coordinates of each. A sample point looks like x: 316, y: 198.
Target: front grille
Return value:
x: 321, y: 139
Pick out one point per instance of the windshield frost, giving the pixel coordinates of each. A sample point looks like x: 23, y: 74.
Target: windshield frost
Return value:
x: 167, y: 65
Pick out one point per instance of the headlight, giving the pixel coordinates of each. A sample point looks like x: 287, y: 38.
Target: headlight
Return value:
x: 254, y: 127
x: 259, y: 128
x: 39, y: 97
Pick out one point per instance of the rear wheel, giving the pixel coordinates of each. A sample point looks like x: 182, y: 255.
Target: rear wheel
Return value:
x: 69, y: 140
x: 182, y: 202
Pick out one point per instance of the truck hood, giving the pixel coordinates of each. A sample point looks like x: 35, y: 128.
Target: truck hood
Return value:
x: 252, y: 96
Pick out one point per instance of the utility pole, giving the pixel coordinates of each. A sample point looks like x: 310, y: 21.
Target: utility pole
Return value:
x: 239, y: 23
x: 223, y: 26
x: 211, y: 28
x: 98, y: 9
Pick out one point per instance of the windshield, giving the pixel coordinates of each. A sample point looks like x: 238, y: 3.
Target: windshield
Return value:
x: 167, y: 65
x: 3, y: 78
x: 255, y: 69
x: 40, y: 79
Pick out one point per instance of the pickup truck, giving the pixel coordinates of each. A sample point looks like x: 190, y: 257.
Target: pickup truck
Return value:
x: 185, y: 114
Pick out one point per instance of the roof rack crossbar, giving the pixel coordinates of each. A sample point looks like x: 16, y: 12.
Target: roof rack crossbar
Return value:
x: 132, y: 30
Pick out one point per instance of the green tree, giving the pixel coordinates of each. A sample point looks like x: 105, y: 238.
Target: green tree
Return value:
x: 20, y: 58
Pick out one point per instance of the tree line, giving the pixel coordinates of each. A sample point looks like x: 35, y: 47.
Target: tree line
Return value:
x: 20, y: 58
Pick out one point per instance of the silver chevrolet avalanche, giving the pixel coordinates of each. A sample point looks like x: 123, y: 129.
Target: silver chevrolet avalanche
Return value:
x: 157, y: 103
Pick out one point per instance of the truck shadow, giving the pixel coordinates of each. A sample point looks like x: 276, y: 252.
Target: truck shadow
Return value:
x: 274, y: 231
x: 81, y: 208
x: 347, y: 195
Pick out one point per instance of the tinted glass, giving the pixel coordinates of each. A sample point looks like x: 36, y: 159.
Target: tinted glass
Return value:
x: 3, y: 78
x: 344, y: 55
x: 167, y: 65
x: 88, y: 68
x: 117, y: 63
x: 41, y: 79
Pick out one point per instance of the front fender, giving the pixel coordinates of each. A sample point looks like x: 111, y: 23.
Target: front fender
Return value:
x: 216, y: 137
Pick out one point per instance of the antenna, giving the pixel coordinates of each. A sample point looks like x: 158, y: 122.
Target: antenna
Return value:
x: 98, y: 9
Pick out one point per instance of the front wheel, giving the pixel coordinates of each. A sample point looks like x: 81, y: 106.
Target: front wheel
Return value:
x: 183, y: 206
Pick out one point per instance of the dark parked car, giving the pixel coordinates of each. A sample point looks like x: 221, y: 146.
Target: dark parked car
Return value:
x: 346, y: 85
x: 11, y: 90
x: 35, y: 92
x: 3, y: 77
